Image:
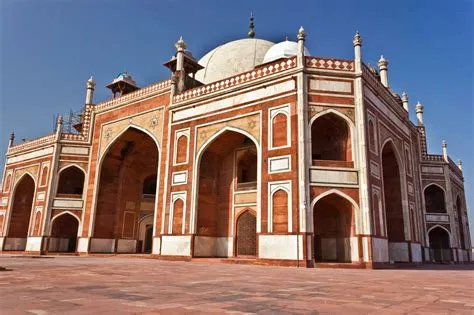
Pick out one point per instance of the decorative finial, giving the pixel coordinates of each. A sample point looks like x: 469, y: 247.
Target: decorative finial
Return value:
x: 286, y: 38
x: 460, y: 165
x: 382, y: 62
x: 60, y: 119
x: 91, y: 82
x: 180, y: 44
x: 419, y: 107
x: 444, y: 144
x: 12, y: 139
x: 357, y: 41
x: 301, y: 34
x: 251, y: 33
x: 404, y: 97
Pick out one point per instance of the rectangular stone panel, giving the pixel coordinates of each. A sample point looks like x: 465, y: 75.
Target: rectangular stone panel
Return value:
x: 75, y: 150
x: 327, y: 176
x: 67, y: 203
x: 432, y: 169
x: 437, y: 218
x: 279, y: 164
x: 245, y: 198
x: 30, y: 155
x: 330, y: 86
x: 176, y: 245
x: 280, y: 247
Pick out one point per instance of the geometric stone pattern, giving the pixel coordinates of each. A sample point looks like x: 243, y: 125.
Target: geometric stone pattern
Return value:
x: 152, y: 286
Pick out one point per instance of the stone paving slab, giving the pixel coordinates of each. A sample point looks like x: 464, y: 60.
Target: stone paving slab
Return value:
x: 119, y: 285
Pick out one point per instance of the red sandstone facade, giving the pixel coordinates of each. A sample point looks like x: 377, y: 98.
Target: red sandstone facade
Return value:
x: 298, y: 161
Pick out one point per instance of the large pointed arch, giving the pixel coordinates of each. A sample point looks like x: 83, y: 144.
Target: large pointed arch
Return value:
x: 212, y: 212
x: 100, y: 160
x: 20, y: 211
x: 128, y: 131
x: 394, y: 192
x: 197, y: 163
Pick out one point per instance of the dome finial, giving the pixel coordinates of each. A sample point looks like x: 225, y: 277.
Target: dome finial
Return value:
x: 251, y: 33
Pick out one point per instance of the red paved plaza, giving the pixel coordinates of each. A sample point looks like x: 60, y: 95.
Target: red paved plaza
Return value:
x: 121, y: 285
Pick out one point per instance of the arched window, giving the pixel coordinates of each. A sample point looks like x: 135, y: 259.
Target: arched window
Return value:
x: 408, y: 160
x: 149, y: 186
x: 372, y: 135
x: 460, y: 222
x: 8, y: 181
x: 434, y: 199
x: 181, y: 149
x: 331, y: 141
x: 376, y: 200
x: 280, y: 211
x: 178, y: 217
x: 44, y: 176
x: 37, y: 226
x: 279, y: 130
x: 2, y: 217
x: 71, y: 182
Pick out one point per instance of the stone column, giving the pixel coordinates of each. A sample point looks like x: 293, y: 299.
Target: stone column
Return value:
x: 419, y: 113
x: 90, y: 84
x: 383, y: 68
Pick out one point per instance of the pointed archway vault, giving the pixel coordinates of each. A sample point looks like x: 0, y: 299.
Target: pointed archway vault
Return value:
x: 228, y: 164
x: 127, y: 192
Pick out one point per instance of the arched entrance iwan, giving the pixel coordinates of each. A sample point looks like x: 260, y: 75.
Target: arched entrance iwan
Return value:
x: 20, y: 213
x: 228, y: 165
x: 392, y: 188
x: 127, y: 192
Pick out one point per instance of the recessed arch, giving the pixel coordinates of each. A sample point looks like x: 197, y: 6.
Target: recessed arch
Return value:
x: 459, y: 210
x: 440, y: 240
x: 116, y: 137
x: 435, y: 198
x: 64, y: 229
x: 334, y: 225
x: 64, y: 213
x: 246, y: 233
x: 145, y: 232
x: 198, y: 159
x: 281, y: 210
x: 71, y: 181
x: 21, y: 207
x: 392, y: 178
x: 126, y: 159
x: 332, y: 139
x: 337, y: 192
x: 212, y: 214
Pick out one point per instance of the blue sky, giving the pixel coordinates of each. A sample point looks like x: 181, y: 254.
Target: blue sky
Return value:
x: 48, y: 49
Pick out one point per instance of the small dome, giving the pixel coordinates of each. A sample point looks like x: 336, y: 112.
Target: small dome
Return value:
x: 126, y: 77
x: 232, y: 58
x: 285, y: 49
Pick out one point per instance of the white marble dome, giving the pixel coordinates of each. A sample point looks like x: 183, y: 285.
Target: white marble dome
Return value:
x: 232, y: 58
x: 285, y: 49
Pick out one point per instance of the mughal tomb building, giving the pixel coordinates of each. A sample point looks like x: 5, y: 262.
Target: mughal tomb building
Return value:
x: 257, y: 151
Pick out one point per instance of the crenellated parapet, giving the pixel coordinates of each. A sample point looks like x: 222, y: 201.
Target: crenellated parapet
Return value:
x: 330, y: 64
